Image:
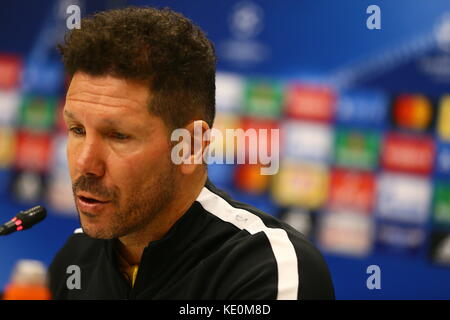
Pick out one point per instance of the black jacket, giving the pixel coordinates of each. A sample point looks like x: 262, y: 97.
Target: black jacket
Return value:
x: 219, y: 249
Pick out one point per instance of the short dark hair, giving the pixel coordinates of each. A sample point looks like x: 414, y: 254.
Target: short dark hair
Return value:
x: 158, y: 46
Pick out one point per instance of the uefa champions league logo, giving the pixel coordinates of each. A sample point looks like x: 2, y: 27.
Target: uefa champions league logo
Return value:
x: 245, y: 23
x: 246, y: 20
x: 442, y: 33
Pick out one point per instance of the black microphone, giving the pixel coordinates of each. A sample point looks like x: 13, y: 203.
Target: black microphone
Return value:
x: 24, y: 220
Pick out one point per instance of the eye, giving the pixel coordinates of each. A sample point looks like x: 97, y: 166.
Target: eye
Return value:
x: 78, y: 131
x: 119, y: 136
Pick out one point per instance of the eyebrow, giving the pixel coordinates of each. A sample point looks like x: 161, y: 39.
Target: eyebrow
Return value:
x: 69, y: 114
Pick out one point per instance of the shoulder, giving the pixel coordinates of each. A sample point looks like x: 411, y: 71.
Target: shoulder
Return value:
x: 78, y: 250
x: 78, y: 247
x: 268, y: 249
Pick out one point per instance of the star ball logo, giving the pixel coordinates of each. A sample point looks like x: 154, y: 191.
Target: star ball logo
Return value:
x: 246, y: 20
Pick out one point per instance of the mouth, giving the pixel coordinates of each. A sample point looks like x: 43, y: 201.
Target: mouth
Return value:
x: 90, y: 200
x: 90, y: 203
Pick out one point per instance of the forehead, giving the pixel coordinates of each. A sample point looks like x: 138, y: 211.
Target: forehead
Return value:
x: 107, y: 95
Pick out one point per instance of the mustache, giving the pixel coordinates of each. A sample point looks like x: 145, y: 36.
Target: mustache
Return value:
x: 94, y: 186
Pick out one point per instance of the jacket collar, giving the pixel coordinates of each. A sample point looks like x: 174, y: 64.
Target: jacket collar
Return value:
x: 179, y: 236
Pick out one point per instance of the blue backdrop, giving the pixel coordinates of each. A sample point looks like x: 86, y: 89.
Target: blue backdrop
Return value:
x: 315, y: 39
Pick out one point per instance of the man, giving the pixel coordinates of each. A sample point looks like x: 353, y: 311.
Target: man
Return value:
x: 152, y: 229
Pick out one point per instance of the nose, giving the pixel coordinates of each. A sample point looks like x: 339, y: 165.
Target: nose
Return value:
x: 89, y: 159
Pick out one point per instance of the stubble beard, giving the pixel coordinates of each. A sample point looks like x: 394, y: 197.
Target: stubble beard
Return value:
x: 139, y: 209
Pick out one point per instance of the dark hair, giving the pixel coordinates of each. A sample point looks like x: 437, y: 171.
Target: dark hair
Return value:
x: 158, y: 46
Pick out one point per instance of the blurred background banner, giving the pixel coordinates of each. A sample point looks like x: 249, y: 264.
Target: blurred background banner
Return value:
x: 363, y: 114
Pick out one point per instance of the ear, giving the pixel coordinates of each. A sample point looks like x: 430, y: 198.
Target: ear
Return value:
x: 199, y: 142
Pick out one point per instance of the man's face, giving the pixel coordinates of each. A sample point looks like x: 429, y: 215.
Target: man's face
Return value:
x: 118, y: 155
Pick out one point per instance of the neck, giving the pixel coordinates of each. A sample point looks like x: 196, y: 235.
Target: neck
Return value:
x: 132, y: 246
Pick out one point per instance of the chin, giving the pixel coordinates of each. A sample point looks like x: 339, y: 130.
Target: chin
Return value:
x: 96, y: 232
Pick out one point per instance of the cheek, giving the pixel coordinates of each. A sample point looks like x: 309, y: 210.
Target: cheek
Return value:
x: 70, y: 153
x: 138, y: 168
